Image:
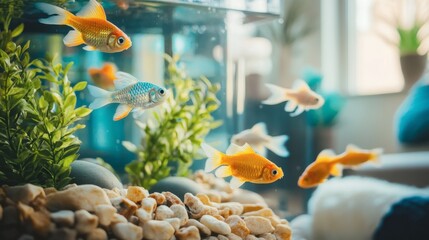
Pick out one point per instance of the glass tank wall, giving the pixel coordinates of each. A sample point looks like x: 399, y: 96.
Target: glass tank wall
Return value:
x: 215, y: 39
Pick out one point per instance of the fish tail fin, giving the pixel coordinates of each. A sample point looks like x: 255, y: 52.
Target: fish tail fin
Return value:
x: 277, y: 145
x: 375, y: 155
x: 61, y: 16
x: 336, y: 170
x: 214, y: 157
x: 102, y: 97
x: 277, y: 95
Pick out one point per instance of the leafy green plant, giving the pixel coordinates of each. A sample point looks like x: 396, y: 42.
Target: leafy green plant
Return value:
x: 37, y: 121
x: 409, y: 37
x: 178, y: 129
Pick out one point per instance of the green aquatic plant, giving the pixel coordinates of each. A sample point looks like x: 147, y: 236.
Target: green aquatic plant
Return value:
x: 38, y: 116
x: 173, y: 135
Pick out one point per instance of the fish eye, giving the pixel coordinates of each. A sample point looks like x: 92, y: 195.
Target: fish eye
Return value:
x: 121, y: 40
x: 161, y: 91
x: 316, y: 100
x: 274, y: 172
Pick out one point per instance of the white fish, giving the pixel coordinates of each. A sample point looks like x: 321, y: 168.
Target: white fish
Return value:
x: 299, y: 99
x: 259, y: 140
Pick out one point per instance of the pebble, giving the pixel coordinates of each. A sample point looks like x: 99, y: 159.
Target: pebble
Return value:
x: 63, y: 234
x: 157, y: 230
x: 188, y: 233
x: 238, y: 226
x: 10, y: 215
x: 268, y: 236
x: 105, y: 214
x: 127, y: 231
x: 97, y: 234
x: 172, y: 199
x: 215, y: 225
x: 149, y: 205
x: 163, y: 212
x: 232, y: 236
x: 118, y: 218
x: 124, y: 206
x: 180, y: 212
x: 136, y: 194
x: 88, y: 172
x: 24, y: 193
x: 264, y: 212
x: 175, y: 223
x: 235, y: 208
x: 258, y: 225
x: 63, y: 218
x: 160, y: 199
x: 201, y: 227
x: 85, y: 222
x: 77, y: 198
x: 283, y: 232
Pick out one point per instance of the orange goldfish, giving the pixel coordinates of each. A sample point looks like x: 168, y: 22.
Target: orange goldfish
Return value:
x: 91, y: 28
x: 317, y: 172
x: 243, y: 164
x: 354, y: 156
x: 104, y: 77
x: 299, y: 99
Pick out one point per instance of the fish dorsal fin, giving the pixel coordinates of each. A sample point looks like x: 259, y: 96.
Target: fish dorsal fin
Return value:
x: 353, y: 148
x: 124, y: 80
x: 301, y: 84
x: 234, y: 149
x: 92, y: 10
x: 325, y: 155
x: 336, y: 171
x: 260, y: 128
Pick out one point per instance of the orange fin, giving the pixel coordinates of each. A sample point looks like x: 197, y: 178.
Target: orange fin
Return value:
x: 73, y: 38
x: 336, y: 171
x: 122, y: 111
x: 60, y: 16
x: 92, y: 10
x: 301, y: 84
x: 223, y: 171
x: 325, y: 155
x: 235, y: 149
x: 236, y: 182
x: 214, y: 159
x: 89, y: 48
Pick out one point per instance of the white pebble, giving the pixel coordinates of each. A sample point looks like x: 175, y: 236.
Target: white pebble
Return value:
x: 215, y: 225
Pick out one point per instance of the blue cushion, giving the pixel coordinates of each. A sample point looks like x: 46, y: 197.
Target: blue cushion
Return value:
x: 407, y: 219
x: 412, y: 119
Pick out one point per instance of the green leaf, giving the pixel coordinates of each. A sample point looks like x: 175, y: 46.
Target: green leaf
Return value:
x: 70, y: 101
x: 80, y: 86
x: 82, y: 112
x: 18, y: 30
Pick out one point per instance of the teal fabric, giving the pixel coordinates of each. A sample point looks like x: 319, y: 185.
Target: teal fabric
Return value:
x: 412, y: 117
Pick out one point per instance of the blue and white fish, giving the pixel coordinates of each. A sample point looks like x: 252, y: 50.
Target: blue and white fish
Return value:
x: 130, y: 93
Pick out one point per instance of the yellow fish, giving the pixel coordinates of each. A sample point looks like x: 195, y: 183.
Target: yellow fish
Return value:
x: 299, y: 99
x: 104, y: 77
x: 354, y: 156
x: 243, y: 164
x: 318, y: 171
x: 327, y: 163
x: 91, y: 27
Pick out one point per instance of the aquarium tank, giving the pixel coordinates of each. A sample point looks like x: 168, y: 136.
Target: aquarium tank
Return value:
x: 144, y: 92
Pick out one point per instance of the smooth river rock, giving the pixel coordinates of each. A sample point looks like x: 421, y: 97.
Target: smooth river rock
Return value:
x: 85, y: 172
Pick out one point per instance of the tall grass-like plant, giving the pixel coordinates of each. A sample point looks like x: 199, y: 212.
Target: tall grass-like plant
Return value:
x: 37, y: 121
x: 175, y: 130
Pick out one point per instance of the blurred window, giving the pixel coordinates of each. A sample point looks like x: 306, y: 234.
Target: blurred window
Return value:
x: 363, y: 42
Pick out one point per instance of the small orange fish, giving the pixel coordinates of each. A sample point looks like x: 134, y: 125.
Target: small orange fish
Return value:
x: 91, y: 28
x: 354, y: 156
x: 317, y: 172
x: 301, y: 98
x: 104, y: 77
x: 243, y: 164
